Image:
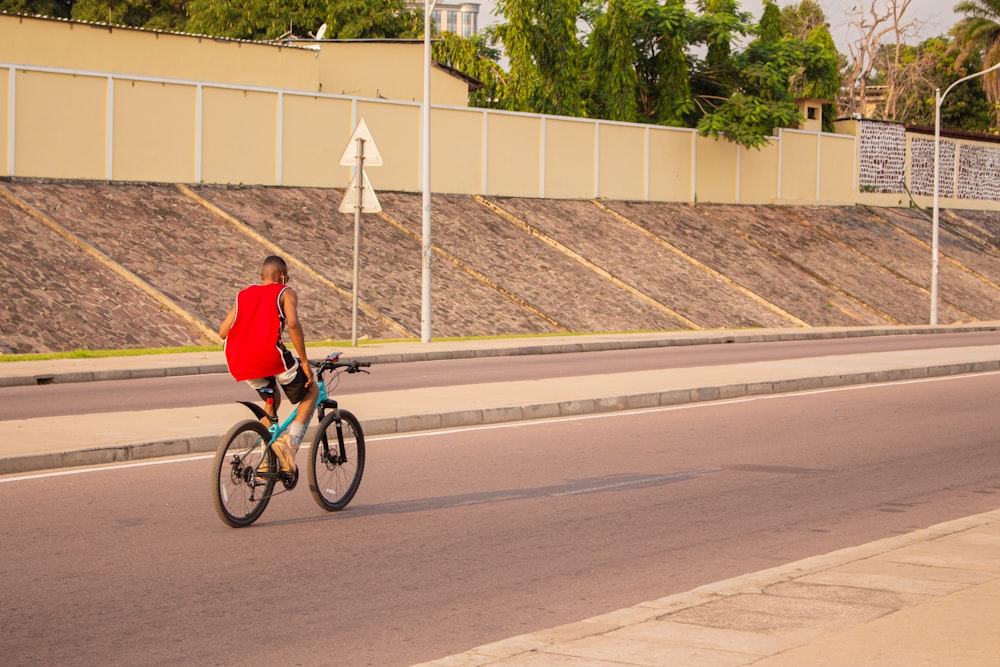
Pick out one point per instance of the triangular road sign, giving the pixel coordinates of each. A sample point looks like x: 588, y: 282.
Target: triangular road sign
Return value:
x: 350, y: 157
x: 369, y: 202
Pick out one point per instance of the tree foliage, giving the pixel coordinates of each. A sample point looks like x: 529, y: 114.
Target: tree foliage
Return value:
x: 799, y: 20
x: 55, y: 8
x: 151, y: 14
x: 979, y: 33
x: 545, y: 55
x: 763, y: 98
x: 267, y: 20
x: 936, y: 63
x: 663, y: 68
x: 474, y: 56
x: 746, y: 95
x: 243, y: 19
x: 611, y: 58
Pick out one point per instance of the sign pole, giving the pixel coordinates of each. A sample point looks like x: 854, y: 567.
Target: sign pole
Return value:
x: 359, y: 197
x: 425, y: 183
x: 359, y: 204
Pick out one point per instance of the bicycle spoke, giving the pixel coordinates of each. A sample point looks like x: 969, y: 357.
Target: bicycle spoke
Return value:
x: 240, y: 491
x: 335, y: 469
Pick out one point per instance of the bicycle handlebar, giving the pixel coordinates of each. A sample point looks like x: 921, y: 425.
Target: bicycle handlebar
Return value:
x: 349, y: 366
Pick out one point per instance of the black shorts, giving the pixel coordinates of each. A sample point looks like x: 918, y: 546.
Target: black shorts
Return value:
x: 296, y: 389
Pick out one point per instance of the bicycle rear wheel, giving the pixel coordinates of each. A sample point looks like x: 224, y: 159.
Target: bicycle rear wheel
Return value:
x: 336, y: 464
x: 240, y: 489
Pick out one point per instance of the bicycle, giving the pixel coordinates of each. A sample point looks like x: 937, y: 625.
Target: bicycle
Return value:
x: 246, y: 468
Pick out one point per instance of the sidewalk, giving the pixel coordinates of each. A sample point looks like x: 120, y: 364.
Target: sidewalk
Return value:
x: 930, y: 597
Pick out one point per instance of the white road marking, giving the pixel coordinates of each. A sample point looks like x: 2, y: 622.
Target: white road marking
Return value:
x: 520, y: 424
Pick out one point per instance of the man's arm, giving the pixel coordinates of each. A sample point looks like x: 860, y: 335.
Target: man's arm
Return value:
x: 289, y: 304
x: 227, y: 323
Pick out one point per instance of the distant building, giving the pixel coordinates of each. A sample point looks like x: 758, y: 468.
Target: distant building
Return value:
x: 461, y: 18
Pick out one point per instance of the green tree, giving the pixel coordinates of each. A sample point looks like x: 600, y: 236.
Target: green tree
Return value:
x: 54, y: 8
x: 664, y: 69
x: 979, y: 33
x: 266, y: 19
x: 935, y: 64
x: 540, y: 40
x: 800, y: 19
x: 372, y: 19
x: 823, y: 82
x: 151, y: 14
x: 611, y: 59
x: 713, y: 78
x: 762, y: 81
x: 473, y: 56
x: 771, y: 28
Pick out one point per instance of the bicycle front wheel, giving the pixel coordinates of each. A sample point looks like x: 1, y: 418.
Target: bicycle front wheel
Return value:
x: 337, y: 460
x: 241, y: 486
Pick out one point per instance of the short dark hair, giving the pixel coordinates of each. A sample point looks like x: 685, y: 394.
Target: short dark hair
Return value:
x: 276, y: 262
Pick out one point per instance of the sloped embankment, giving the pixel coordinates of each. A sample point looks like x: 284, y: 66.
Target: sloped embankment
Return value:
x: 91, y: 265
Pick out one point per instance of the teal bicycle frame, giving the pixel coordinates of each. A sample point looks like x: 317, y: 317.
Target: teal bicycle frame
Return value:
x: 323, y: 400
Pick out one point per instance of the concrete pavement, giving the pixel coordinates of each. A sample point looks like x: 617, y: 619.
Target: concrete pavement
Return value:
x: 929, y: 597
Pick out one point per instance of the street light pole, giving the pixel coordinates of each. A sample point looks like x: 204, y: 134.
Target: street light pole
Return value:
x: 938, y: 101
x: 425, y: 183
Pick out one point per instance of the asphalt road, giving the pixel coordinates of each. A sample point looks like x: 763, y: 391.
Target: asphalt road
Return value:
x: 464, y: 537
x: 25, y: 402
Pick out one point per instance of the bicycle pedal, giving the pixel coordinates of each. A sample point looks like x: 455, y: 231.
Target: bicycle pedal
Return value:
x: 290, y: 479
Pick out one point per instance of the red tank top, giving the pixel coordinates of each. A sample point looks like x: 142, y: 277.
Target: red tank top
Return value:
x: 253, y: 346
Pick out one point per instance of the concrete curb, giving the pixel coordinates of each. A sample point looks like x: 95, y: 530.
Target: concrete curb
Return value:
x: 106, y: 455
x: 110, y: 374
x: 405, y: 424
x: 477, y: 417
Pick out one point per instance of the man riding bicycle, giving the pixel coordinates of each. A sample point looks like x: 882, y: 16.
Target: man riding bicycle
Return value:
x: 255, y: 353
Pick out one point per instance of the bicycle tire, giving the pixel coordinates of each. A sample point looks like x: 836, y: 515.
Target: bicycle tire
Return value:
x: 335, y: 473
x: 239, y: 494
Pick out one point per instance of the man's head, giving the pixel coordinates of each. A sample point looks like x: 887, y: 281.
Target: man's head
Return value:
x: 274, y: 270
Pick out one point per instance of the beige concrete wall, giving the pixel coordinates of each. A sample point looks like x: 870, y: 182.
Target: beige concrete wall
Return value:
x: 569, y: 151
x: 671, y: 164
x: 142, y: 153
x: 758, y: 174
x: 837, y: 162
x: 101, y: 48
x: 799, y: 166
x: 60, y: 126
x: 315, y: 132
x: 391, y: 71
x: 622, y: 161
x: 715, y: 170
x: 456, y: 166
x: 98, y: 102
x: 93, y: 102
x: 395, y: 129
x: 174, y: 131
x: 513, y: 155
x: 239, y: 142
